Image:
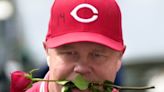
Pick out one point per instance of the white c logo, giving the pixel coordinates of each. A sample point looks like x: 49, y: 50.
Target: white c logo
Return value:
x: 93, y: 18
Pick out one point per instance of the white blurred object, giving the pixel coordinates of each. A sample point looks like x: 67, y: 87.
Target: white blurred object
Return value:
x: 12, y: 66
x: 6, y: 9
x: 158, y: 82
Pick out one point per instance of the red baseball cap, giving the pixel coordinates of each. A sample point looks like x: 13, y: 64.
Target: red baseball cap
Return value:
x: 97, y: 21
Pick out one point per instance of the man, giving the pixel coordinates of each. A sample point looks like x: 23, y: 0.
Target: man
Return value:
x: 84, y: 37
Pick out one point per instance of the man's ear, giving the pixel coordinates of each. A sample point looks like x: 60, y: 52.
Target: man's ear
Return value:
x: 47, y: 55
x: 45, y: 48
x: 119, y: 64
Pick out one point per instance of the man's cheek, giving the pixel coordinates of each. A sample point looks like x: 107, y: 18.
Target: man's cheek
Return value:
x: 63, y: 72
x: 108, y: 74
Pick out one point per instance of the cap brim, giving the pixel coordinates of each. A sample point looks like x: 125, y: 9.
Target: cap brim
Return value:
x: 84, y: 37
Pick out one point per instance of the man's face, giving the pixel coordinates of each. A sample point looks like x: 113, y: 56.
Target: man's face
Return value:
x: 93, y: 61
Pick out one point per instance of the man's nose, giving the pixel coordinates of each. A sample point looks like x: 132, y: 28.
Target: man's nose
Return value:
x: 82, y: 69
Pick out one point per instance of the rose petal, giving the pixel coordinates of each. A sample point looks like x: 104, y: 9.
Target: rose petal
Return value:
x: 19, y: 81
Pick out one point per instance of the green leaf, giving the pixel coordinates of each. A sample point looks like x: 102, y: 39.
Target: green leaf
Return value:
x: 108, y: 89
x: 62, y: 82
x: 28, y: 76
x: 107, y: 86
x: 108, y: 82
x: 80, y: 82
x: 33, y: 70
x: 65, y: 89
x: 94, y: 89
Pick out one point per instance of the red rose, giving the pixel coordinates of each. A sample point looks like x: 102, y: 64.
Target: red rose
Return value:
x: 19, y: 81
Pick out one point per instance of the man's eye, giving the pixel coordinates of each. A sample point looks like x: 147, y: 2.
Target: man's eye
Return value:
x: 100, y: 57
x: 97, y: 55
x: 69, y: 56
x: 68, y: 53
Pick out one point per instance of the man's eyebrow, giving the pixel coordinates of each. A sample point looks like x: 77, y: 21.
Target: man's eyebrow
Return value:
x: 65, y: 47
x: 100, y: 49
x: 104, y: 50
